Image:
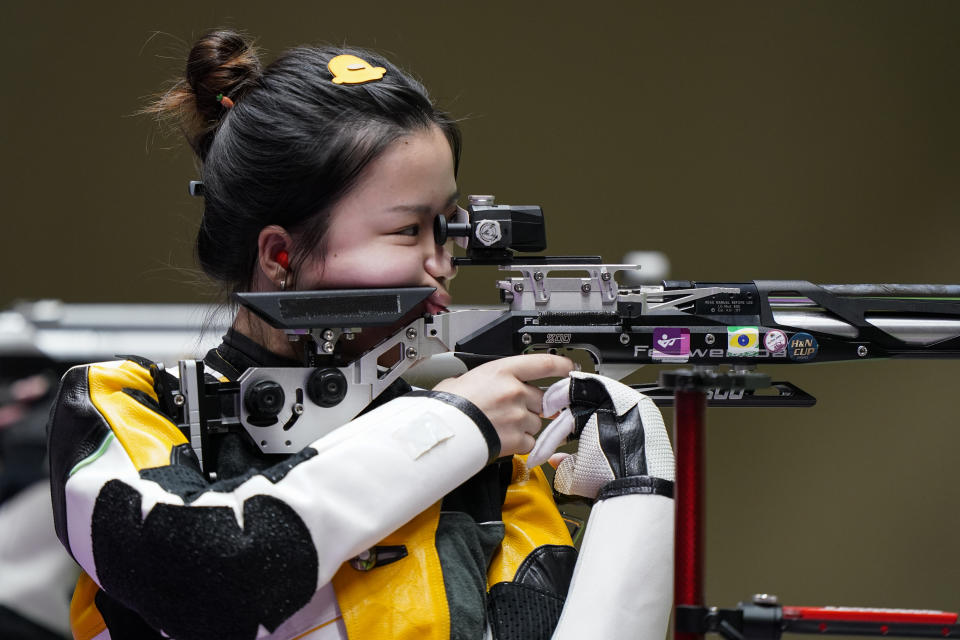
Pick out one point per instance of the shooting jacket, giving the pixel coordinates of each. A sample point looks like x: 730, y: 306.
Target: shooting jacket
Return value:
x: 396, y: 525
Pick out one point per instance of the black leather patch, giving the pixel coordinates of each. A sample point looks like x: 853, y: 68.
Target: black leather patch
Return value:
x: 622, y: 442
x: 648, y: 485
x: 521, y: 612
x: 75, y: 430
x: 472, y: 412
x: 548, y: 567
x: 633, y: 443
x: 194, y: 573
x: 608, y: 432
x: 587, y: 396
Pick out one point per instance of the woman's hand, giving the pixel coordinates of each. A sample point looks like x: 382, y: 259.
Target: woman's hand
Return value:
x: 500, y: 391
x: 623, y: 448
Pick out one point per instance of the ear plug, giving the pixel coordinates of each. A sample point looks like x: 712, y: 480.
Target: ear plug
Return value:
x: 283, y: 262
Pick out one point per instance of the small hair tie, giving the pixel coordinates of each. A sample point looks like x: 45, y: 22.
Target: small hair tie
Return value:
x: 225, y: 101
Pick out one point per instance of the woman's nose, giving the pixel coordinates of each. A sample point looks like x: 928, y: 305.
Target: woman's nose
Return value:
x: 439, y: 262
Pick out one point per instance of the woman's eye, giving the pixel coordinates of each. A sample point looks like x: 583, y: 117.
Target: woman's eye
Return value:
x: 412, y: 230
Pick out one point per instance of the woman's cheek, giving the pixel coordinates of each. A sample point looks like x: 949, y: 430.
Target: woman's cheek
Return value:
x: 384, y: 267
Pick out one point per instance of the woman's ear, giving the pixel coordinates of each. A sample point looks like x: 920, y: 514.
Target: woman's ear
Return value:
x: 273, y: 249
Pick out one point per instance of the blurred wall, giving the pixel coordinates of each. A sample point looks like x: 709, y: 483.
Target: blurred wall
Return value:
x: 815, y: 140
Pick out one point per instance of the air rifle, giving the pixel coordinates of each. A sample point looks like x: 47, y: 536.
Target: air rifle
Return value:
x: 558, y: 304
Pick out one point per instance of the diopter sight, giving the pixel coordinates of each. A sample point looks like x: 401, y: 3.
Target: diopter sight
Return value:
x: 493, y: 232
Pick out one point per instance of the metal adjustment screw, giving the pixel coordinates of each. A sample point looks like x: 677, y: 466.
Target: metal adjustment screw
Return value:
x: 411, y: 352
x: 709, y: 338
x: 765, y: 599
x: 624, y: 338
x: 518, y: 287
x: 327, y: 347
x: 585, y: 287
x: 538, y: 275
x: 605, y: 276
x: 179, y: 400
x: 862, y: 351
x: 327, y: 334
x: 298, y: 409
x: 411, y: 333
x: 526, y: 338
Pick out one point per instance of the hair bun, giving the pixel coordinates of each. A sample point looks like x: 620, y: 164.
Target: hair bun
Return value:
x: 220, y: 62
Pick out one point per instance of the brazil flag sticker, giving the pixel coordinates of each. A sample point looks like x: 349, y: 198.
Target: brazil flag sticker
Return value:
x: 743, y: 341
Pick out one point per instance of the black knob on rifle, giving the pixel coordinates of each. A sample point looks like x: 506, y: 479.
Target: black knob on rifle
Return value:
x: 264, y: 399
x: 326, y: 387
x: 444, y: 230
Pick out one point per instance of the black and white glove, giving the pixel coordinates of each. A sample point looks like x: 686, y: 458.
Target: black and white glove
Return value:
x: 623, y: 447
x: 622, y: 584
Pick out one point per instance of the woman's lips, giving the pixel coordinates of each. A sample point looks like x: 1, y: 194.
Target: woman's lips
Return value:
x: 437, y: 302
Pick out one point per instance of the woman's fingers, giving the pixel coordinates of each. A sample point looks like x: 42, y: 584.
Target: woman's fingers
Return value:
x: 500, y: 390
x: 557, y: 458
x: 534, y: 366
x: 533, y: 398
x: 527, y: 443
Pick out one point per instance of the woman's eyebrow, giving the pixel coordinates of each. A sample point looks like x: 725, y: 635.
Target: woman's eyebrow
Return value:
x: 424, y: 209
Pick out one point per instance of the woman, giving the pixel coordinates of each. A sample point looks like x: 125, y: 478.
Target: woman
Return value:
x: 327, y: 170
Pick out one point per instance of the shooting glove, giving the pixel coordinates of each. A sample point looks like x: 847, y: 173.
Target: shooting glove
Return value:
x: 622, y: 586
x: 623, y: 447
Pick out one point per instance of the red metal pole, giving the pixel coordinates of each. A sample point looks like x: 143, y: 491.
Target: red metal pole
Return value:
x: 688, y: 441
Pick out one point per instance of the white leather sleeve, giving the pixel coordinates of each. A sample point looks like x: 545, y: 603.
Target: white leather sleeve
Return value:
x: 367, y: 479
x: 623, y: 583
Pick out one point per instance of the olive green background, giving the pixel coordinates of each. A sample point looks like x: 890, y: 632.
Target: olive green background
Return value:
x: 747, y: 140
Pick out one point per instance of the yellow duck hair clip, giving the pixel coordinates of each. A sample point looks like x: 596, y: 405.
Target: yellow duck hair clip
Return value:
x: 347, y: 69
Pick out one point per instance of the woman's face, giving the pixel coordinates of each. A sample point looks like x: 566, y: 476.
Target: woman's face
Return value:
x: 381, y: 232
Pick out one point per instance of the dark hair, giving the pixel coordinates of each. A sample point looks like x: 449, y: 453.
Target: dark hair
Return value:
x: 292, y: 145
